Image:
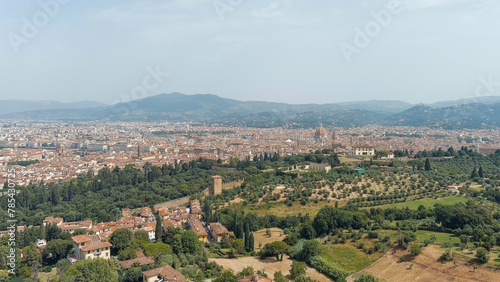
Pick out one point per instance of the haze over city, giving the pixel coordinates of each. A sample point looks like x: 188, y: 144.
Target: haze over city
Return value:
x: 283, y: 51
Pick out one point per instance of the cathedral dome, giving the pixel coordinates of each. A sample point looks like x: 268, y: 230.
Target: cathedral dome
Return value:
x: 321, y: 132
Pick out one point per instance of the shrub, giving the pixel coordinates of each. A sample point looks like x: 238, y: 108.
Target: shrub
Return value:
x: 365, y: 277
x: 329, y: 271
x: 446, y: 256
x: 482, y: 255
x: 415, y: 249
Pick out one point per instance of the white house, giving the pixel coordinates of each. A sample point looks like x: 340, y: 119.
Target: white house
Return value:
x: 364, y: 150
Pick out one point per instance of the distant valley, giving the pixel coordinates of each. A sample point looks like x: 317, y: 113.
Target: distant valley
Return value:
x: 207, y: 108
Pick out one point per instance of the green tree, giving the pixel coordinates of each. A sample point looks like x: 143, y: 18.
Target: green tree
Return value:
x: 247, y: 271
x: 133, y: 274
x: 25, y: 272
x: 121, y: 239
x: 415, y: 249
x: 251, y: 243
x: 298, y: 269
x: 310, y: 249
x: 279, y: 277
x: 79, y: 232
x: 427, y: 165
x: 190, y: 242
x: 173, y: 237
x: 91, y: 270
x: 155, y: 250
x: 464, y: 240
x: 207, y: 209
x: 239, y: 245
x: 276, y: 249
x: 268, y: 232
x: 380, y: 154
x: 56, y: 250
x: 141, y: 237
x: 32, y: 255
x: 447, y: 256
x: 226, y: 276
x: 481, y: 172
x: 159, y: 230
x: 482, y: 255
x: 474, y: 173
x: 126, y: 254
x: 404, y: 238
x: 307, y: 231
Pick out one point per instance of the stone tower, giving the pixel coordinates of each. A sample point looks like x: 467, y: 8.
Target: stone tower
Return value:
x: 216, y: 187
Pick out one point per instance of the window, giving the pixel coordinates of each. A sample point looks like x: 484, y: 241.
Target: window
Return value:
x: 88, y: 257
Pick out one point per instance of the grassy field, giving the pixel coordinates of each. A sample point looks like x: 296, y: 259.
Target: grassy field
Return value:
x: 347, y: 257
x: 423, y: 235
x: 261, y: 238
x: 281, y: 209
x: 427, y: 202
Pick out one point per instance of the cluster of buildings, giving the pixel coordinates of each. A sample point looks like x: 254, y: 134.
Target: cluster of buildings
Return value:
x: 94, y: 242
x: 60, y: 152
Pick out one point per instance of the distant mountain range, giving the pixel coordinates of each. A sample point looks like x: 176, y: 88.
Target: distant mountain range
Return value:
x: 16, y: 106
x: 176, y: 107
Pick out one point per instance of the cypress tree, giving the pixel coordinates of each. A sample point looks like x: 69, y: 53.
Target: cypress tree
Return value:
x: 427, y: 165
x: 239, y: 231
x: 158, y: 231
x: 474, y: 173
x: 251, y: 242
x: 481, y: 172
x: 247, y: 237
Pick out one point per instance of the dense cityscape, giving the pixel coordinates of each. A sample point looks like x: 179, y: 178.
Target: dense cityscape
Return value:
x: 60, y: 152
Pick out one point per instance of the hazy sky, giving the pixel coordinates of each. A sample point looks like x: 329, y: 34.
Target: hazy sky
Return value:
x: 282, y: 50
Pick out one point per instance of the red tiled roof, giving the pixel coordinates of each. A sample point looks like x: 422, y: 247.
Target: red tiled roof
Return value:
x: 167, y: 272
x: 81, y: 238
x: 96, y: 245
x: 141, y: 259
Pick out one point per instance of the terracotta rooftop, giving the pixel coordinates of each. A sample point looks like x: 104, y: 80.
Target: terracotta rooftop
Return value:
x: 166, y: 272
x: 96, y: 245
x: 141, y: 259
x: 218, y: 228
x: 81, y: 238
